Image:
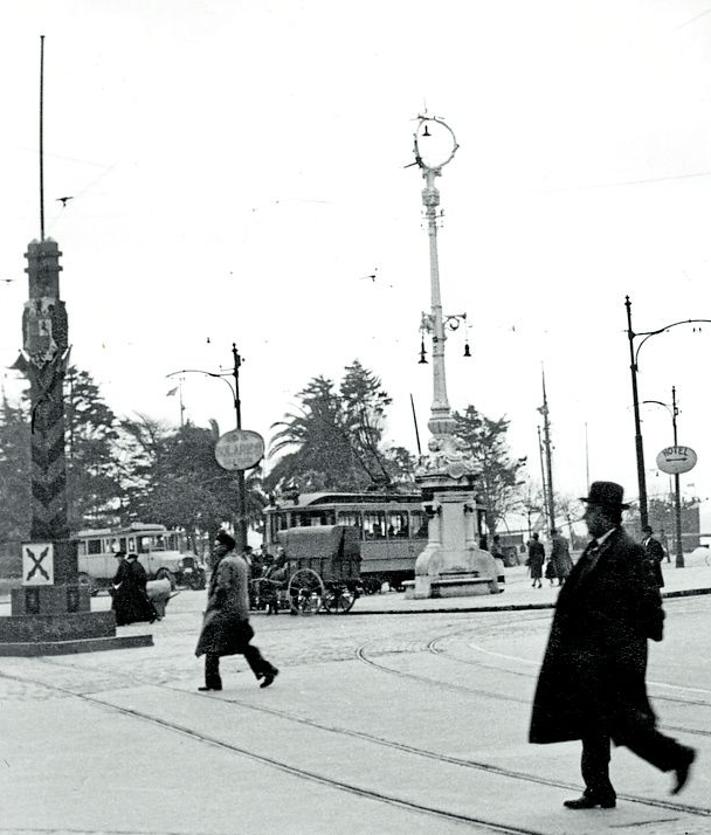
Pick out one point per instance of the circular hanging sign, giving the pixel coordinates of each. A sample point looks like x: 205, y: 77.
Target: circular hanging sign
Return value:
x: 239, y: 449
x: 676, y: 459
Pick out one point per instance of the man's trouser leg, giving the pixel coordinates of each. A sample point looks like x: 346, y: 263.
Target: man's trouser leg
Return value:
x: 258, y: 664
x: 595, y: 766
x: 212, y: 670
x: 658, y: 750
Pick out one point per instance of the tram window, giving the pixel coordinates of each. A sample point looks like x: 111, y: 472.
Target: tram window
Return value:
x: 131, y: 544
x: 158, y: 543
x: 397, y: 525
x: 351, y: 517
x: 144, y: 544
x: 122, y: 543
x: 93, y: 546
x: 374, y: 524
x: 419, y: 524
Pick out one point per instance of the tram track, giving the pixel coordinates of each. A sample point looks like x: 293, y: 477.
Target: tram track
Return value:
x: 342, y: 785
x: 480, y: 823
x: 525, y: 776
x: 361, y: 653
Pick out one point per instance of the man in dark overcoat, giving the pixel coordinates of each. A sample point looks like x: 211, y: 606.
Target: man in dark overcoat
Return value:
x: 655, y: 553
x: 226, y: 629
x: 592, y: 682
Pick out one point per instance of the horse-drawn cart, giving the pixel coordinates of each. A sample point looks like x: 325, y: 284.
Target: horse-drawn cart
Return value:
x: 320, y: 571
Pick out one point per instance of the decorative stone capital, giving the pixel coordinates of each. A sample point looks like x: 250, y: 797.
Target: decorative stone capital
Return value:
x: 447, y: 457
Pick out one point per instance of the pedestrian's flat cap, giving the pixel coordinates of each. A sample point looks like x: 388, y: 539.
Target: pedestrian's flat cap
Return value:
x: 605, y: 493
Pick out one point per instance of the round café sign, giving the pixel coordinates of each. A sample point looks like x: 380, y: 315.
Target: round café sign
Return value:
x: 676, y: 459
x: 239, y: 449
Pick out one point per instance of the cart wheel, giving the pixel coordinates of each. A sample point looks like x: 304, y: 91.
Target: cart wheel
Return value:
x: 305, y: 592
x: 339, y: 600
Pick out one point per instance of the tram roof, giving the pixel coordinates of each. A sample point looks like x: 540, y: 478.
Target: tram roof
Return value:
x: 310, y: 499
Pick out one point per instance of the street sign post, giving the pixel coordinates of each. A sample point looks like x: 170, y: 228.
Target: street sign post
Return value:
x: 239, y: 449
x: 676, y: 459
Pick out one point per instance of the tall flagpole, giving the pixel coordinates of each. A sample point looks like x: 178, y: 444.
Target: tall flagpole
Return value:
x: 41, y: 138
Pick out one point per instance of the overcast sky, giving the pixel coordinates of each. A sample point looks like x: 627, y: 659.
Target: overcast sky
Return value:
x: 238, y: 167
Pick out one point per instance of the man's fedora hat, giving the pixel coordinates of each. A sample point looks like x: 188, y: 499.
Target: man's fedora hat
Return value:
x: 606, y: 493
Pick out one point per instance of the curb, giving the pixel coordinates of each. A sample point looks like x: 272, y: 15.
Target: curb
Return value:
x: 510, y: 607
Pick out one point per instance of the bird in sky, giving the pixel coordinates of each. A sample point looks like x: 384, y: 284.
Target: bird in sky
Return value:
x: 63, y: 200
x: 7, y: 280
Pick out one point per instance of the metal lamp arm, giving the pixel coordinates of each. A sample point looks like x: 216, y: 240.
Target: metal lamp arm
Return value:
x: 207, y: 374
x: 648, y: 334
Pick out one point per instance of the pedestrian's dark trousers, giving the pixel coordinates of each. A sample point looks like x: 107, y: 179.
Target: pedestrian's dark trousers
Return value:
x: 258, y: 664
x: 645, y: 741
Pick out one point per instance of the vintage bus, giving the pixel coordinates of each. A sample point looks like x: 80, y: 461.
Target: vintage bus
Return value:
x: 392, y: 528
x: 160, y: 551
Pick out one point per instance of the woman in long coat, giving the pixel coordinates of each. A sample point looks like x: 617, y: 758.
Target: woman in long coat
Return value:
x: 130, y: 601
x: 536, y: 558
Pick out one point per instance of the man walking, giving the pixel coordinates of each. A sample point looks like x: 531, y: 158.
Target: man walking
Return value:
x: 592, y: 683
x: 226, y: 629
x: 536, y: 558
x: 655, y: 553
x: 560, y: 555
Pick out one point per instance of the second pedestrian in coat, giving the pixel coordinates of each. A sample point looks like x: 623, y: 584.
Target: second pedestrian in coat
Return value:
x: 226, y: 629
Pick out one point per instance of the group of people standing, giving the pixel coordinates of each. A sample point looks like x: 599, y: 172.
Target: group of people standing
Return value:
x: 559, y: 562
x: 130, y: 600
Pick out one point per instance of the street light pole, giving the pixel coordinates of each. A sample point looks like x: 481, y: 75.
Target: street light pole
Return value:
x: 634, y: 368
x: 674, y: 411
x: 677, y: 493
x: 639, y: 447
x: 241, y: 523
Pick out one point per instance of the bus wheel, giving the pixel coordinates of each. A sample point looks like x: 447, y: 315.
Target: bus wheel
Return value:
x: 166, y: 574
x: 85, y: 581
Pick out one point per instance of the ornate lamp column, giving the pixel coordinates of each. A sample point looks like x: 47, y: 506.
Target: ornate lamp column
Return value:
x: 452, y: 564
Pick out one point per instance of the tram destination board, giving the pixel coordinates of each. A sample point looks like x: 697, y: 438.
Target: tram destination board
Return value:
x: 239, y: 449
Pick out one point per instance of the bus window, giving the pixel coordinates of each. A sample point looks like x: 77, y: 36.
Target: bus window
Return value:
x: 374, y: 524
x: 158, y: 543
x: 122, y: 543
x: 93, y: 546
x: 82, y: 548
x: 143, y: 544
x: 419, y: 524
x: 397, y: 525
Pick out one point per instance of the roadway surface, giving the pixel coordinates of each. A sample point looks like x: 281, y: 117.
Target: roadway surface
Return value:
x: 414, y: 723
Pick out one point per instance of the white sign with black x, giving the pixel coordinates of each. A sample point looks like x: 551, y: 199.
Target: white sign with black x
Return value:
x: 38, y: 564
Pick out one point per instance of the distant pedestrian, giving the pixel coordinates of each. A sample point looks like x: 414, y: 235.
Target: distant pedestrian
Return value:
x: 536, y: 558
x: 226, y: 629
x: 128, y: 589
x: 550, y: 571
x: 560, y: 555
x: 655, y: 554
x: 592, y: 682
x: 665, y: 544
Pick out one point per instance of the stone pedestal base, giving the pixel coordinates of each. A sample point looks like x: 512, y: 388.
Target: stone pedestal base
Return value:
x: 54, y: 620
x: 452, y: 564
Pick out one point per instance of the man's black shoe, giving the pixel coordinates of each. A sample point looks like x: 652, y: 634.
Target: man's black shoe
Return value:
x: 681, y: 772
x: 210, y: 687
x: 588, y: 802
x: 269, y: 677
